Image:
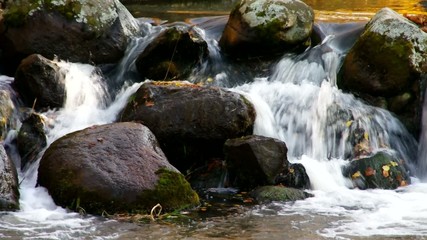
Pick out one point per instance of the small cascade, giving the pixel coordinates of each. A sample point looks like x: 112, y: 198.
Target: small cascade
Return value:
x: 305, y: 109
x: 422, y: 147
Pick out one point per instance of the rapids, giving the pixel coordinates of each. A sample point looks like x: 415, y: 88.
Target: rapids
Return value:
x: 296, y: 101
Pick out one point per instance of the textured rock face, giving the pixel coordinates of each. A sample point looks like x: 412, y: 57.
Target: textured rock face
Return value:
x: 115, y: 167
x: 31, y: 139
x: 79, y: 31
x: 191, y: 122
x: 9, y: 193
x: 172, y: 55
x: 7, y: 118
x: 263, y: 27
x: 388, y: 65
x: 255, y: 160
x: 40, y: 82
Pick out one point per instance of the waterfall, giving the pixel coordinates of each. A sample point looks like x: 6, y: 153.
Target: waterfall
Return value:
x: 297, y: 102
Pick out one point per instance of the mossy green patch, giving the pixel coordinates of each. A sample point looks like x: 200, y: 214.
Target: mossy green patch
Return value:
x: 17, y: 13
x: 171, y: 192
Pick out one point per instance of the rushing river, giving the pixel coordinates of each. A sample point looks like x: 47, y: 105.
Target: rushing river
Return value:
x: 295, y: 101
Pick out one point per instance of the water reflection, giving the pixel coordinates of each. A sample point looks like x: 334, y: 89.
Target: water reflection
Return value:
x: 332, y: 10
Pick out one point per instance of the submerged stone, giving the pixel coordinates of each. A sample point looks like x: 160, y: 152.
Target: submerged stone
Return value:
x: 267, y: 194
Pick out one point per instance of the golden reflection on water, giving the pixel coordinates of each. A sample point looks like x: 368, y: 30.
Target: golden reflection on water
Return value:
x: 361, y: 10
x: 328, y: 10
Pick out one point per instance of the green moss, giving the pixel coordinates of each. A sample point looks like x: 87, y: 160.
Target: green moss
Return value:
x: 172, y: 192
x: 17, y: 12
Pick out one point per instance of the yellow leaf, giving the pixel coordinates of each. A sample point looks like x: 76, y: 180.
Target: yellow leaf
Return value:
x: 348, y: 123
x: 366, y: 136
x: 394, y: 164
x: 386, y: 168
x: 356, y: 175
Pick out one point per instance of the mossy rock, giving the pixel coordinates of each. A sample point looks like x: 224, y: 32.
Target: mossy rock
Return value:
x: 87, y: 31
x: 279, y: 193
x: 116, y: 168
x: 170, y: 184
x: 382, y: 170
x: 264, y: 27
x: 387, y: 67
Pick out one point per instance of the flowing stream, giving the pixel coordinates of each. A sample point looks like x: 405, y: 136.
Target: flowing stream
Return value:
x: 296, y: 101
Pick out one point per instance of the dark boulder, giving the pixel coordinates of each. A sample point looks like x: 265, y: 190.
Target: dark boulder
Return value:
x: 381, y: 170
x: 294, y: 176
x: 79, y: 31
x: 191, y: 122
x: 9, y: 193
x: 172, y: 55
x: 255, y: 160
x: 31, y: 139
x: 116, y: 167
x: 265, y: 27
x: 387, y: 67
x: 40, y: 83
x: 267, y: 194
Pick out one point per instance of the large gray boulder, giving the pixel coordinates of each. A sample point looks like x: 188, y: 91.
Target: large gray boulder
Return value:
x: 116, y: 167
x: 9, y: 192
x: 265, y: 27
x: 88, y: 31
x: 387, y: 66
x: 191, y: 122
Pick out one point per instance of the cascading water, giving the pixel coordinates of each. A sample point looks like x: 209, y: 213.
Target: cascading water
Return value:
x: 298, y: 103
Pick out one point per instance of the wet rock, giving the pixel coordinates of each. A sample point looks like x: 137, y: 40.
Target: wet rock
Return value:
x: 381, y: 170
x: 7, y: 118
x: 191, y: 122
x: 255, y: 160
x: 172, y: 55
x: 210, y: 175
x: 267, y: 194
x: 9, y: 193
x: 31, y: 139
x: 92, y: 31
x: 114, y: 168
x: 264, y: 27
x: 388, y: 64
x: 294, y: 176
x: 40, y: 83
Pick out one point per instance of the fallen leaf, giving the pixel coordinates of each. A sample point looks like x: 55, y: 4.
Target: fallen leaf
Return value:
x: 356, y: 175
x: 369, y: 172
x: 348, y: 123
